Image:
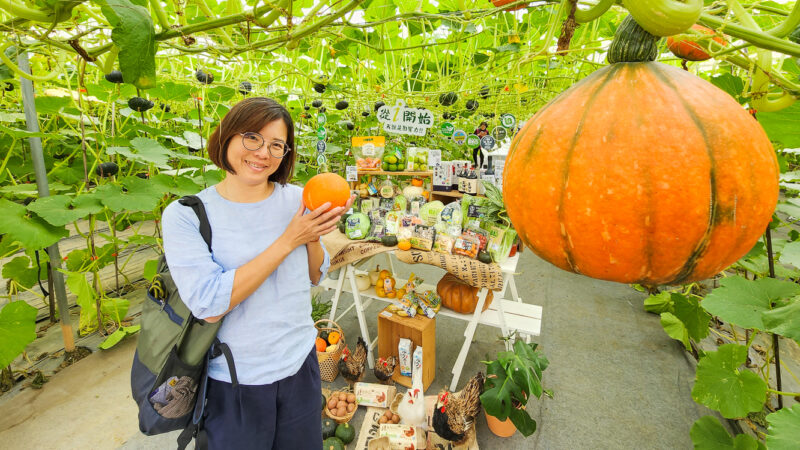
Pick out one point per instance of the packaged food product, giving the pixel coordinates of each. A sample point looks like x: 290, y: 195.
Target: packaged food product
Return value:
x: 415, y: 204
x: 417, y: 159
x: 387, y: 189
x: 377, y: 228
x: 430, y: 212
x: 403, y: 436
x: 467, y: 245
x: 430, y: 302
x: 501, y: 239
x: 423, y: 237
x: 393, y: 159
x: 404, y: 233
x: 386, y: 204
x: 404, y: 356
x: 443, y: 243
x: 392, y: 222
x: 416, y: 366
x: 408, y: 304
x: 368, y: 151
x: 372, y: 394
x: 357, y: 226
x: 479, y: 233
x: 473, y: 210
x: 400, y: 202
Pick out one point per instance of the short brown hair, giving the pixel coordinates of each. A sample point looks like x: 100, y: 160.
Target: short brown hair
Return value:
x: 252, y: 114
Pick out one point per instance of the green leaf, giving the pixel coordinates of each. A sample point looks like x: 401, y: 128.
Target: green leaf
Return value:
x: 675, y: 329
x: 150, y: 269
x: 17, y: 330
x: 741, y: 302
x: 134, y: 35
x: 784, y: 428
x: 784, y: 320
x: 708, y: 434
x: 117, y: 336
x: 171, y: 92
x: 659, y: 303
x: 78, y: 285
x: 60, y: 210
x: 692, y: 315
x: 114, y: 199
x: 31, y: 232
x: 150, y: 151
x: 731, y: 84
x: 19, y: 269
x: 791, y: 254
x: 115, y: 308
x: 781, y: 126
x: 721, y: 385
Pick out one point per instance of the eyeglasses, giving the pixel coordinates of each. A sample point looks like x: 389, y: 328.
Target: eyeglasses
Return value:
x: 254, y: 141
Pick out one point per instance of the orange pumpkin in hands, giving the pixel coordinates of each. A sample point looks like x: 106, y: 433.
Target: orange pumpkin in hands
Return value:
x: 326, y: 187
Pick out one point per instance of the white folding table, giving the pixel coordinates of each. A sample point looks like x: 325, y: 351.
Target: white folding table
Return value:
x: 507, y: 315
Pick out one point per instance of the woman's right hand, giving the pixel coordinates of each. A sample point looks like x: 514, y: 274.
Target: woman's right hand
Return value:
x: 305, y: 228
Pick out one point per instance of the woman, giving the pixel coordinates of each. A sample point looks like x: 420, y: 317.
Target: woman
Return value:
x: 265, y: 255
x: 477, y: 155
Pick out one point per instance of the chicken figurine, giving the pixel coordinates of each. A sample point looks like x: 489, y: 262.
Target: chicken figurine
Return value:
x: 454, y: 413
x: 352, y: 365
x: 412, y: 407
x: 384, y: 369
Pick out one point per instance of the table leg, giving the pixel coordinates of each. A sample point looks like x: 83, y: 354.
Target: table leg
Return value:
x: 338, y: 293
x: 362, y: 321
x: 472, y: 325
x: 390, y: 263
x: 513, y: 287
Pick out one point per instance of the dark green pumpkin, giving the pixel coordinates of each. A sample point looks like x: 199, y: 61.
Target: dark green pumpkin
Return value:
x: 346, y: 433
x: 333, y: 443
x: 389, y: 241
x: 328, y: 428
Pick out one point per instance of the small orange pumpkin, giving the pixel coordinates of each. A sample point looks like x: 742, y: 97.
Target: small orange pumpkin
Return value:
x: 684, y: 45
x: 326, y: 187
x: 459, y: 296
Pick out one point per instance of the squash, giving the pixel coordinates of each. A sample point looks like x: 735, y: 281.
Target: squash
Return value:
x: 326, y: 187
x: 685, y: 46
x: 499, y: 3
x: 641, y: 173
x: 459, y: 296
x: 362, y: 282
x: 332, y: 443
x: 346, y: 433
x: 328, y: 428
x: 665, y: 17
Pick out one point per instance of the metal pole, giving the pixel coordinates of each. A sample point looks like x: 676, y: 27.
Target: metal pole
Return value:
x: 775, y: 341
x: 44, y: 191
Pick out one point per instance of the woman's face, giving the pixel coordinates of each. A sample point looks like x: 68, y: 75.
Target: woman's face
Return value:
x: 255, y: 166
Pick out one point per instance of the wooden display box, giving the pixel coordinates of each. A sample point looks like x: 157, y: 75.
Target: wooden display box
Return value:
x: 420, y: 330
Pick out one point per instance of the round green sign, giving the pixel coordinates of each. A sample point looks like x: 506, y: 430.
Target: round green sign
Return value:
x: 321, y: 133
x: 508, y: 121
x: 447, y: 129
x: 321, y: 119
x: 473, y: 141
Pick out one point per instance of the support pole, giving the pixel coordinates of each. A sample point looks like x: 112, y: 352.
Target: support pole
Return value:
x: 775, y: 340
x: 44, y: 191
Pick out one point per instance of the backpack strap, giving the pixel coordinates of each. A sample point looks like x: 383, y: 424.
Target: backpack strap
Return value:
x: 196, y: 204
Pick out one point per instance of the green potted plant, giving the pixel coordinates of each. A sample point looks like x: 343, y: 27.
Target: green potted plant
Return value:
x: 511, y: 380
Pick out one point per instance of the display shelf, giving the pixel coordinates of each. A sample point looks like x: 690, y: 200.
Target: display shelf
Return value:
x: 403, y: 173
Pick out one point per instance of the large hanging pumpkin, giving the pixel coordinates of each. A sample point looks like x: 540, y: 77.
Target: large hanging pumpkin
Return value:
x: 459, y: 296
x: 641, y: 173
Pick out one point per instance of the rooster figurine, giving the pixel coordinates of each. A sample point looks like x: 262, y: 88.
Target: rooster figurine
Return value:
x: 412, y: 407
x: 384, y: 369
x: 454, y: 413
x: 351, y: 366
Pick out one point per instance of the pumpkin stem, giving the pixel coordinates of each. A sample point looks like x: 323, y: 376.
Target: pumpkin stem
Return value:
x: 632, y: 43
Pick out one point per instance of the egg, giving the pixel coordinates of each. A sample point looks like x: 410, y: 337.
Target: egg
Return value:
x: 332, y: 403
x: 351, y: 407
x: 342, y: 396
x: 351, y: 398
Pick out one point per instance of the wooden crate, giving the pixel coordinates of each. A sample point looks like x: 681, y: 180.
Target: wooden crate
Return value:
x: 420, y: 330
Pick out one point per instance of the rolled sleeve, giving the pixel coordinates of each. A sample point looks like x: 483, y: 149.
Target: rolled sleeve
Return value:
x: 204, y: 285
x: 326, y: 264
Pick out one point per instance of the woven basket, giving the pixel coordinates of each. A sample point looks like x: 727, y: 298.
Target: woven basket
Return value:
x: 329, y: 361
x: 340, y: 419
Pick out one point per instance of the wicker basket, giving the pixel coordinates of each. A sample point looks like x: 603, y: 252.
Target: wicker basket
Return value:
x: 340, y: 419
x: 329, y: 361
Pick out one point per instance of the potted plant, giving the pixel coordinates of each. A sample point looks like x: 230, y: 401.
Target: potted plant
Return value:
x: 511, y: 380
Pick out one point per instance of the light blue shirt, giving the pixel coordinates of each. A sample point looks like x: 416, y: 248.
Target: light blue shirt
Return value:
x: 271, y: 332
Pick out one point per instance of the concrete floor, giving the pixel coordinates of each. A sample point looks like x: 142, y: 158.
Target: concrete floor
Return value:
x: 618, y: 380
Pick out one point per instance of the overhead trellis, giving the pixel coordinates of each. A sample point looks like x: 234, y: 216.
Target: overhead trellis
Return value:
x: 415, y: 50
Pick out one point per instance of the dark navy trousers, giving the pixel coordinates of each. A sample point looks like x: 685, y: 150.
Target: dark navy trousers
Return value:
x: 281, y: 415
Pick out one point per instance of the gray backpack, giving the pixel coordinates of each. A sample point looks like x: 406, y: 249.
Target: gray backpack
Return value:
x: 168, y: 375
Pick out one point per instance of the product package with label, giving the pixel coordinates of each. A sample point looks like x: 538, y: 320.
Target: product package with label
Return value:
x: 371, y: 394
x: 416, y: 366
x: 467, y: 245
x: 423, y: 237
x: 368, y: 151
x: 404, y: 356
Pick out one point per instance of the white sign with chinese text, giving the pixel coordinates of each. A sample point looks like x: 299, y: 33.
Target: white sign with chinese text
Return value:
x: 403, y: 120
